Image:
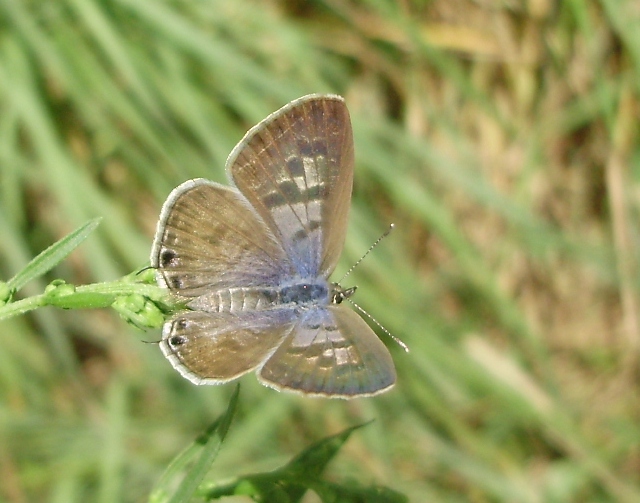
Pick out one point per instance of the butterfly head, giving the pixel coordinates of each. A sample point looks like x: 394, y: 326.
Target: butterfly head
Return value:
x: 338, y: 294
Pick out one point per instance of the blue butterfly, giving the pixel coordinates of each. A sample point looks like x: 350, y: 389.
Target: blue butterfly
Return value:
x: 253, y: 261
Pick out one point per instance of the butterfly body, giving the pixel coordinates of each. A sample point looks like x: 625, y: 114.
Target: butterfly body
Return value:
x: 232, y: 300
x: 253, y: 260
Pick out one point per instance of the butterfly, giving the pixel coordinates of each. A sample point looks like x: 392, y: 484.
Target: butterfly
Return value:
x: 252, y: 261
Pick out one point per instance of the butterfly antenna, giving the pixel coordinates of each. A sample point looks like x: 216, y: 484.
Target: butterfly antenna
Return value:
x: 398, y: 341
x: 376, y: 242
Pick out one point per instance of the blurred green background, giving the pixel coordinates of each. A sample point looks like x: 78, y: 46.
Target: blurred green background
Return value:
x: 499, y: 137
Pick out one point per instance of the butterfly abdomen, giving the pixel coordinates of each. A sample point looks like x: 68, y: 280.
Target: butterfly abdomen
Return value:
x: 244, y: 299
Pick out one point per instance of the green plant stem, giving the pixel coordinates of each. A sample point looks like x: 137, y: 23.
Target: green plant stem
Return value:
x: 95, y: 295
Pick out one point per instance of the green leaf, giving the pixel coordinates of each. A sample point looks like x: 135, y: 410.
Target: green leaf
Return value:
x: 6, y: 293
x: 354, y: 493
x: 295, y: 478
x: 290, y: 483
x: 312, y: 461
x: 52, y: 256
x: 202, y: 452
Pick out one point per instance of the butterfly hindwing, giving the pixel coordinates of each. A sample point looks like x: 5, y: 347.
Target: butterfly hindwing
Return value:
x: 330, y: 352
x: 213, y: 348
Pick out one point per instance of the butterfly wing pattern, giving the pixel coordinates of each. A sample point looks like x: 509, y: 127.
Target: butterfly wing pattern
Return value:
x: 253, y: 260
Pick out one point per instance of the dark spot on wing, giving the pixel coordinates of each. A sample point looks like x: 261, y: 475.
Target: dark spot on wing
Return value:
x: 306, y: 149
x: 290, y: 190
x: 177, y: 340
x: 175, y: 282
x: 274, y: 200
x: 319, y: 148
x: 168, y: 257
x: 295, y: 166
x: 287, y: 192
x: 303, y: 234
x: 313, y: 192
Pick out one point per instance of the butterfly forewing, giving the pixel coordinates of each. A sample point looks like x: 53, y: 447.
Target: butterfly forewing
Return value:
x: 296, y: 170
x: 209, y: 239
